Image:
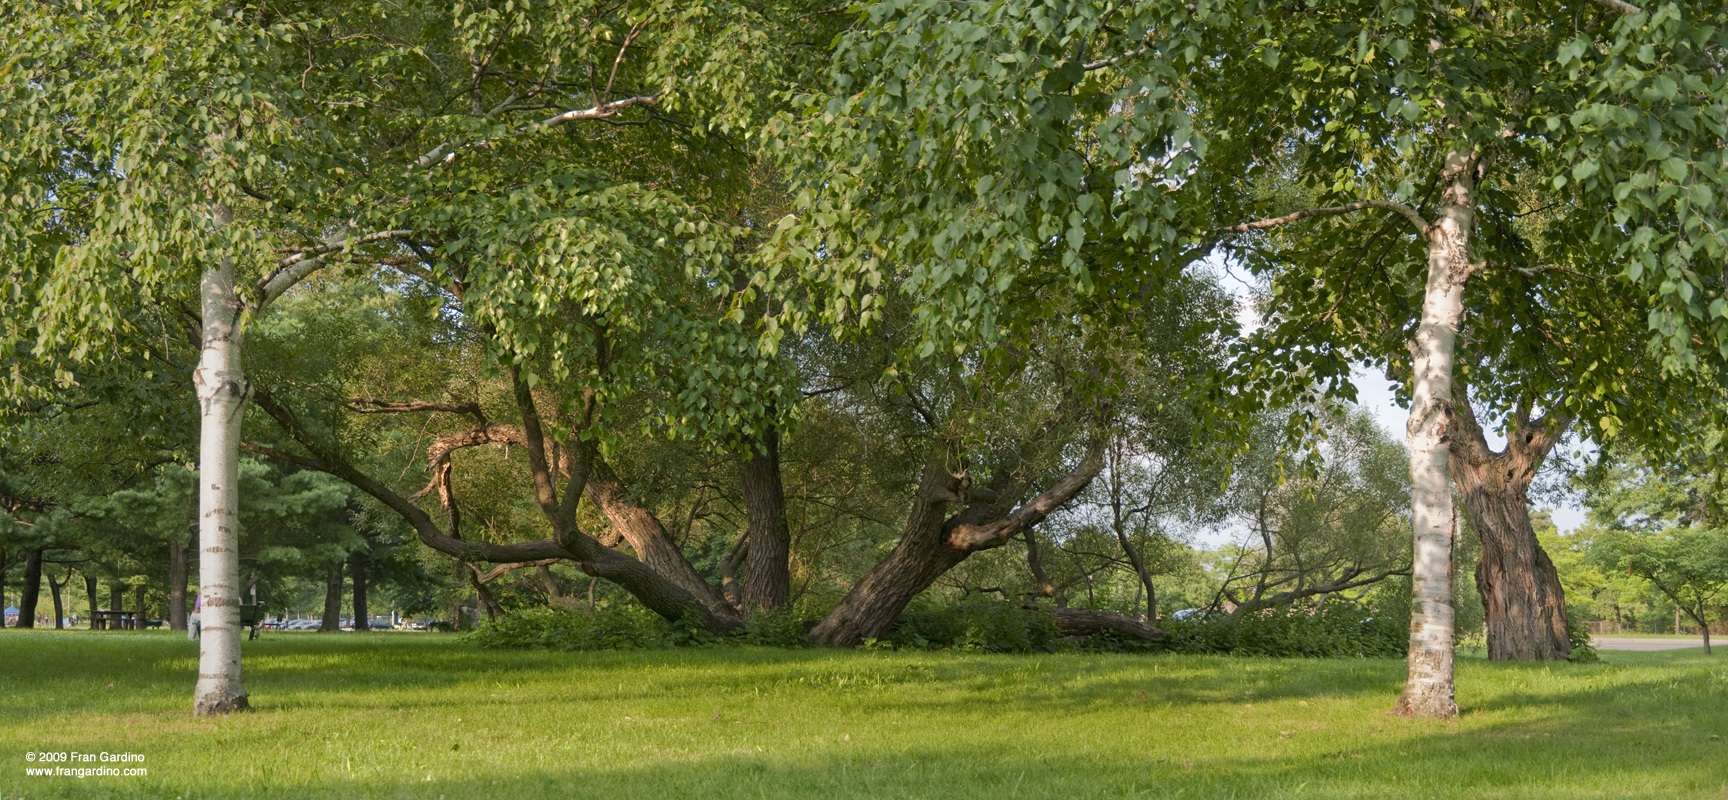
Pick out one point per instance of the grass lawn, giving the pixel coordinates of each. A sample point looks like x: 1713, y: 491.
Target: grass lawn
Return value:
x: 427, y: 716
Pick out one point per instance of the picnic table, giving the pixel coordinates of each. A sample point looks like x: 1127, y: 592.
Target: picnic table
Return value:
x: 116, y: 620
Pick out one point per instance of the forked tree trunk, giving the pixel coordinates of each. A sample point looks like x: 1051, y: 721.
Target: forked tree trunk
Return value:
x: 54, y: 588
x: 222, y: 393
x: 332, y: 621
x: 357, y: 566
x: 933, y: 543
x: 1520, y: 588
x: 178, y: 572
x: 32, y: 588
x: 767, y: 563
x: 1429, y: 690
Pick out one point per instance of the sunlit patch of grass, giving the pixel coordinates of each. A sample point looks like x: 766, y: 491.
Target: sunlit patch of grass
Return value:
x: 423, y: 715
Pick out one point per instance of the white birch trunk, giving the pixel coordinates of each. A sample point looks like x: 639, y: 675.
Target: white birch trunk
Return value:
x: 222, y: 394
x: 1429, y: 691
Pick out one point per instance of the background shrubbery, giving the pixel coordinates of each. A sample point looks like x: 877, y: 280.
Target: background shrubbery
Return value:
x: 1335, y: 630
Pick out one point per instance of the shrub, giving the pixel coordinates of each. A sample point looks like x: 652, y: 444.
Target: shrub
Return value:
x: 782, y: 627
x: 612, y: 628
x: 1583, y: 652
x: 991, y: 627
x: 1334, y: 630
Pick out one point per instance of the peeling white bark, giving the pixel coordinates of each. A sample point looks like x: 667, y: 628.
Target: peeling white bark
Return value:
x: 1429, y: 689
x: 222, y: 394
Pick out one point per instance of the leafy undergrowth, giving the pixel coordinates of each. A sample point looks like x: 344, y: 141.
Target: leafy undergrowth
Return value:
x: 429, y: 716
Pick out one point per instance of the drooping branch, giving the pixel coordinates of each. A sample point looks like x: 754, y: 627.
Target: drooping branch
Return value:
x: 1332, y: 211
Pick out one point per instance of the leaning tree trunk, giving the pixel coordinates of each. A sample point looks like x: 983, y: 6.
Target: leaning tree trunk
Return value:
x: 933, y: 543
x: 178, y: 572
x: 1429, y: 689
x: 767, y: 562
x: 357, y: 565
x: 332, y: 620
x: 32, y: 588
x: 222, y: 393
x: 1520, y: 588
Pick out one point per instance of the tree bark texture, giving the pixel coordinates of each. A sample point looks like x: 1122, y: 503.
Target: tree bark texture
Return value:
x: 332, y: 621
x: 116, y: 596
x: 767, y: 563
x: 1520, y: 588
x: 357, y: 563
x: 32, y: 589
x: 178, y: 570
x: 1429, y: 690
x: 653, y: 546
x: 138, y: 601
x: 222, y: 394
x: 933, y: 542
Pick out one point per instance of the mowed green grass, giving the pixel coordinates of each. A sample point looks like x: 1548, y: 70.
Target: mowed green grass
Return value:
x: 427, y: 716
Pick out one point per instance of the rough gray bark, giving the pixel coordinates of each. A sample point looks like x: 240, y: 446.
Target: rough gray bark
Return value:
x: 1429, y: 690
x: 1520, y: 588
x: 222, y: 394
x: 767, y: 562
x: 332, y: 620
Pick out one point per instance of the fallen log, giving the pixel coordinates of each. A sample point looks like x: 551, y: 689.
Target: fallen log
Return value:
x: 1086, y: 622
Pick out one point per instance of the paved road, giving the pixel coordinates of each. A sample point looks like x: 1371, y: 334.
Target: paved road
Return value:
x: 1645, y: 645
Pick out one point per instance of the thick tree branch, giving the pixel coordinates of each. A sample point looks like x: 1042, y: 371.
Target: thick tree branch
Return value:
x: 1333, y: 211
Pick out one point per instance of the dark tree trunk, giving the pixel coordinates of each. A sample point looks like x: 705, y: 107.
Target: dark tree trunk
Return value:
x: 90, y: 597
x: 1035, y: 564
x: 116, y: 596
x: 933, y: 543
x: 138, y: 596
x: 32, y: 588
x: 332, y: 621
x: 54, y: 588
x: 357, y: 563
x: 3, y: 605
x: 178, y: 571
x: 1520, y: 588
x: 767, y: 563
